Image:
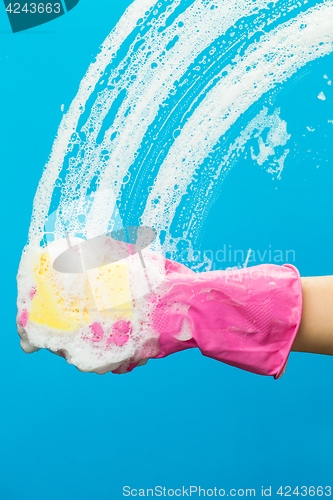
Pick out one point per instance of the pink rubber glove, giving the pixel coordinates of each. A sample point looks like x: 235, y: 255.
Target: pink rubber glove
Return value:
x: 246, y: 318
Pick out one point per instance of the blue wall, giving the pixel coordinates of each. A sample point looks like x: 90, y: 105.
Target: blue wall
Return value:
x: 184, y: 420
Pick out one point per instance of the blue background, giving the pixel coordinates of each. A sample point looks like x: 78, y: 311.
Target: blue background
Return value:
x: 184, y: 420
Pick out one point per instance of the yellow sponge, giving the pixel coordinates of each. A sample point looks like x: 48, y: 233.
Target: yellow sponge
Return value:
x: 107, y: 288
x: 110, y: 287
x: 49, y: 306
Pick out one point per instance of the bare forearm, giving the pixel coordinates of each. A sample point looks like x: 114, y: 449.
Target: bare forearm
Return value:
x: 315, y: 333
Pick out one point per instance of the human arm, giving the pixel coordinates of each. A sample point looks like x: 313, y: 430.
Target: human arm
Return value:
x: 315, y: 334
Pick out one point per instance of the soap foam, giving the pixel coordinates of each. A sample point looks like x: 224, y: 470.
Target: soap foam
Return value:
x: 170, y: 81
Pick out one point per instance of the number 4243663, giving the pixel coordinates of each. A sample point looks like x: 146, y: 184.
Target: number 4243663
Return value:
x: 311, y: 491
x: 34, y: 8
